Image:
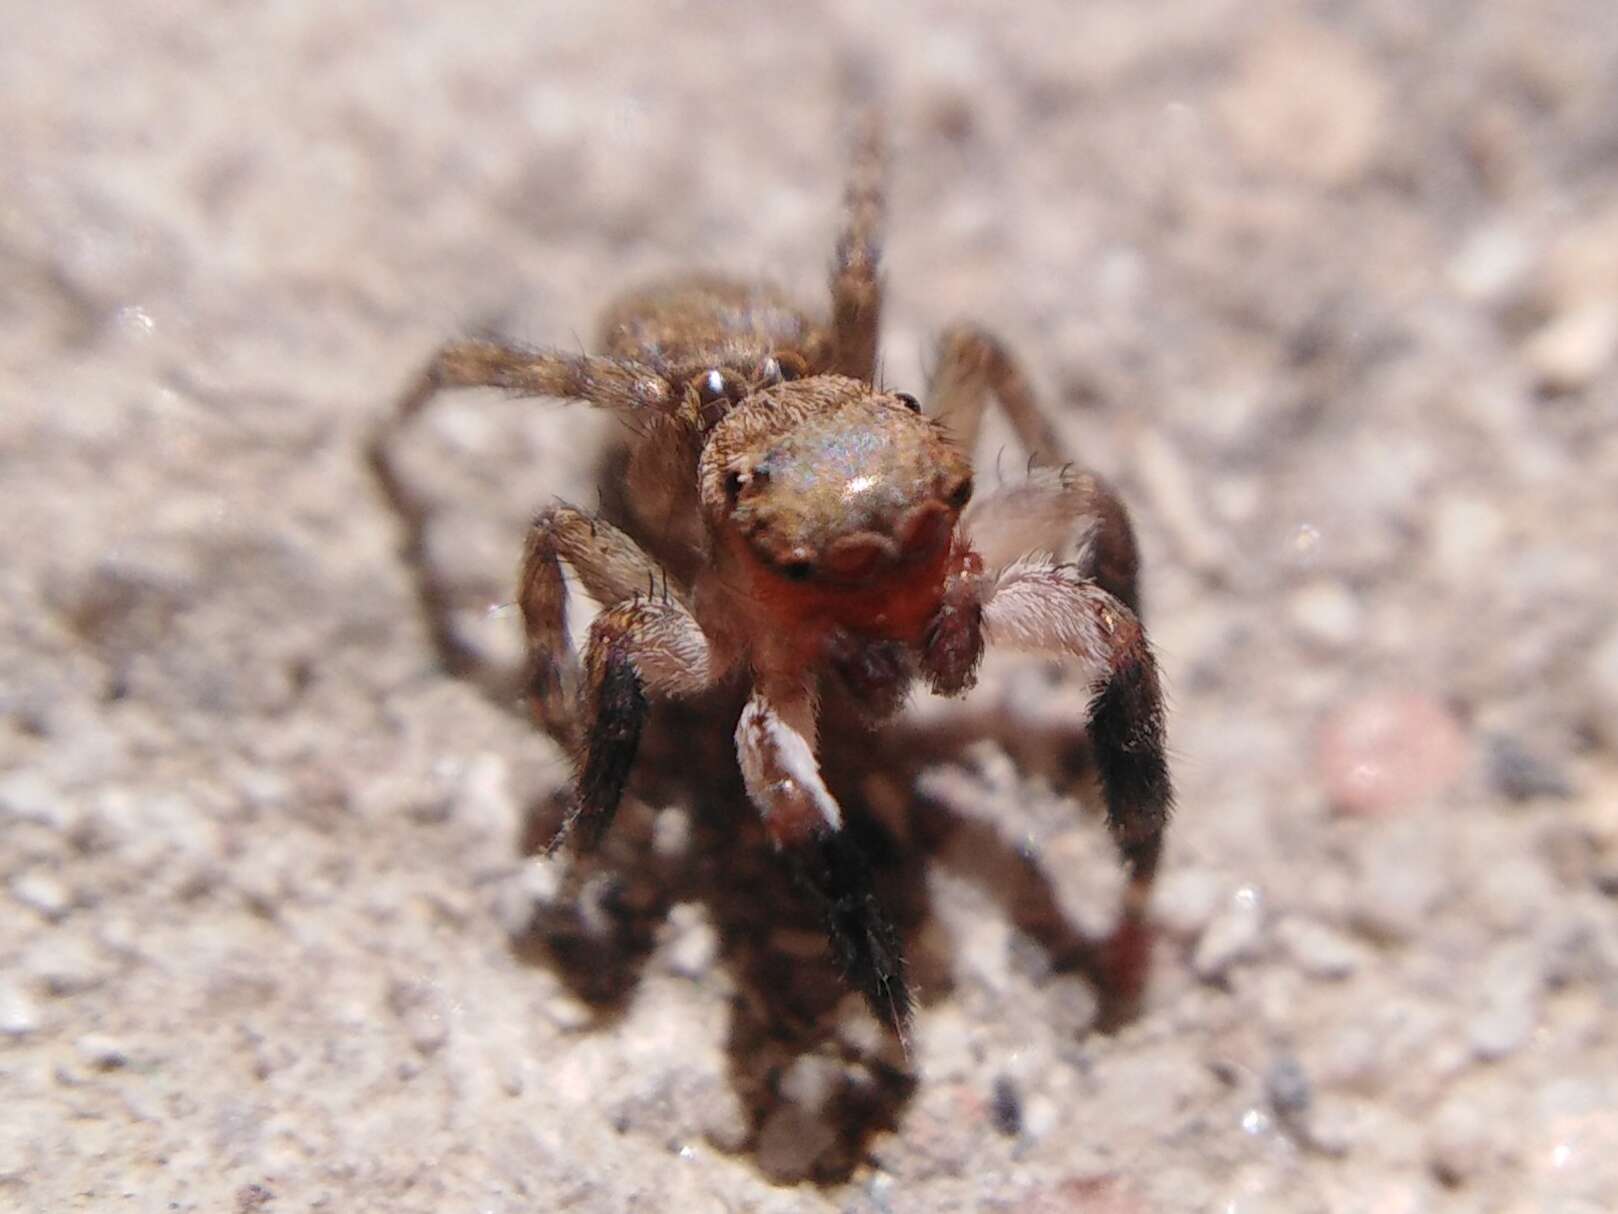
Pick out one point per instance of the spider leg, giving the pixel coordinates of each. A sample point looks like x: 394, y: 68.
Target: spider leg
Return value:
x: 608, y: 382
x: 640, y: 648
x: 1049, y: 608
x: 611, y: 567
x: 1065, y: 513
x: 856, y: 281
x: 973, y: 367
x: 775, y: 744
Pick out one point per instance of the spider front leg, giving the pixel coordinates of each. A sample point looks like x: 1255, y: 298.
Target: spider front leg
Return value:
x: 1053, y: 609
x: 975, y: 367
x: 645, y: 643
x: 775, y: 744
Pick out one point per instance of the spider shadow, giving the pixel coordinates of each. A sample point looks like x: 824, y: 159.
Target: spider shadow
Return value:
x: 789, y: 1000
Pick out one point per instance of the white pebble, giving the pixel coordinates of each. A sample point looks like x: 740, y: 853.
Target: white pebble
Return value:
x: 1327, y: 612
x: 43, y: 892
x: 19, y: 1015
x: 1511, y: 1003
x: 102, y: 1051
x: 29, y: 797
x: 1575, y: 345
x: 1466, y: 533
x: 1186, y: 900
x: 1458, y: 1141
x: 1318, y: 950
x: 1233, y: 936
x: 693, y: 942
x: 66, y: 966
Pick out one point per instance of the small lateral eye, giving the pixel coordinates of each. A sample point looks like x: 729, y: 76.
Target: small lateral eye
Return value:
x: 791, y: 365
x: 961, y: 493
x: 798, y: 570
x: 734, y: 481
x: 711, y: 388
x: 909, y: 402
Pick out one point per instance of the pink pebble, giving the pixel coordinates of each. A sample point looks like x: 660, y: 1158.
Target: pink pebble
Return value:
x: 1388, y: 750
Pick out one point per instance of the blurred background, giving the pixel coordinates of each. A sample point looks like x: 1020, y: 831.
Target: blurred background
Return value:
x: 1330, y: 290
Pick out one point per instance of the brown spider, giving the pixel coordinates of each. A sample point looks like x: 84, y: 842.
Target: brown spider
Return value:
x: 816, y: 528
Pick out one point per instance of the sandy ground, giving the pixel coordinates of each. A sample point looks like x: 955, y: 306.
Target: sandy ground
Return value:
x: 1330, y: 290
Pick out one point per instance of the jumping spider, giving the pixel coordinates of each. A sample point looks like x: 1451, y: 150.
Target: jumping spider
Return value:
x: 816, y: 528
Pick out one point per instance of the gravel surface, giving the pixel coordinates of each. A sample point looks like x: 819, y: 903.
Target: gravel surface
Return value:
x: 1330, y: 290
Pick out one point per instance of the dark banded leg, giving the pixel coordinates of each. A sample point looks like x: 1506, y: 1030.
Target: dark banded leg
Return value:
x: 1053, y: 609
x: 640, y: 649
x: 610, y: 566
x: 645, y: 644
x: 774, y: 742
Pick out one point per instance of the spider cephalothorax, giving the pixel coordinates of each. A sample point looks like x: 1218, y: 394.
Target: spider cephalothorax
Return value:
x: 823, y: 529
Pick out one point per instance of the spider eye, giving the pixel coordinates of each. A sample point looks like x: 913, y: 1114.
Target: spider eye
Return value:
x: 960, y: 493
x: 798, y: 570
x: 711, y: 388
x: 733, y: 485
x: 909, y: 402
x: 791, y: 365
x: 769, y: 373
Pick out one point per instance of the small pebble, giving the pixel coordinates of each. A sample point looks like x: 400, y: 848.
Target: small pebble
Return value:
x: 1575, y: 346
x: 28, y: 797
x: 1467, y: 531
x: 42, y: 892
x: 671, y: 833
x: 1232, y: 936
x: 66, y: 966
x: 1287, y: 1087
x: 1511, y: 987
x: 1187, y: 899
x: 1326, y: 612
x: 1457, y: 1141
x: 1491, y: 262
x: 1318, y: 950
x: 1521, y: 774
x: 19, y: 1015
x: 419, y: 1008
x: 790, y: 1142
x: 1388, y: 751
x: 102, y: 1051
x: 17, y: 1152
x: 693, y: 941
x: 1305, y: 102
x: 1400, y: 884
x: 1005, y: 1106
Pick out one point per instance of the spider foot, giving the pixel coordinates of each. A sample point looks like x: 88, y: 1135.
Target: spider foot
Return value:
x: 864, y: 940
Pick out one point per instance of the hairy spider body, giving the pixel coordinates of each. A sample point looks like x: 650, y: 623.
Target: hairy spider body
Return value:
x: 823, y: 529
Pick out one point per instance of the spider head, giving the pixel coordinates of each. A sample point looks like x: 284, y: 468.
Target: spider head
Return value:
x: 829, y: 486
